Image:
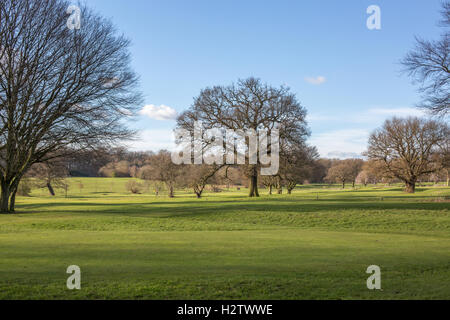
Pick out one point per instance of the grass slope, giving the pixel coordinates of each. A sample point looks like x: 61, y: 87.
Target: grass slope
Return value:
x: 314, y: 244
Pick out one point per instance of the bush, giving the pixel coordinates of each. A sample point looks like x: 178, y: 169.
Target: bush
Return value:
x: 134, y: 187
x: 24, y: 188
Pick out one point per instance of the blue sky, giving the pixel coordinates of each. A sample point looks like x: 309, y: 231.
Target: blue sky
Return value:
x: 346, y: 75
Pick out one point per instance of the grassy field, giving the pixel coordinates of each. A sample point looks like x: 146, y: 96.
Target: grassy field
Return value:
x: 314, y: 244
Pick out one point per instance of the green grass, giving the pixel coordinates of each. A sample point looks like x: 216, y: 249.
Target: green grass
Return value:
x: 314, y: 244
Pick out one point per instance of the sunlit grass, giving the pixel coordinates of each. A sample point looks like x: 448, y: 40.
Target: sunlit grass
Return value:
x: 316, y: 243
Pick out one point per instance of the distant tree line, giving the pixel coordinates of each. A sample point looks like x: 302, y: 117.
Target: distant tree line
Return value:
x: 408, y: 151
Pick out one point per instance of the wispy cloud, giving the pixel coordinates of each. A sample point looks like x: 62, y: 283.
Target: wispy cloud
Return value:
x: 401, y: 112
x: 316, y: 80
x: 161, y: 112
x: 374, y: 116
x: 343, y: 155
x: 349, y: 143
x: 153, y: 140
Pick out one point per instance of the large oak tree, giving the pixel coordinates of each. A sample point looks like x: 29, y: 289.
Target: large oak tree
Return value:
x: 61, y: 90
x: 248, y: 105
x: 428, y: 64
x: 405, y: 148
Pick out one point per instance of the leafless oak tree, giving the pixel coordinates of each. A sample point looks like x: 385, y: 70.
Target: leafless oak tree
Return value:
x: 249, y: 105
x: 405, y: 148
x: 429, y: 65
x: 60, y: 90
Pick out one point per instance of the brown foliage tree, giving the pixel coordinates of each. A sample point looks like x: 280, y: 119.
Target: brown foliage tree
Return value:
x: 343, y: 171
x: 405, y: 148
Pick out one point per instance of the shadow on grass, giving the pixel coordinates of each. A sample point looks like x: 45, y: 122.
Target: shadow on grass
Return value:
x: 209, y: 207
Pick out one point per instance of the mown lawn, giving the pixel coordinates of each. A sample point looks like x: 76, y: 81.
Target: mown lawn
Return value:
x: 314, y: 244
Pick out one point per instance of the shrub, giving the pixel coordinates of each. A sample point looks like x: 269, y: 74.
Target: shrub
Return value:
x: 134, y: 187
x: 24, y: 188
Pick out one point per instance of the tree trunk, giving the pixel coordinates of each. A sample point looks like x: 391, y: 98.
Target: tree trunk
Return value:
x: 12, y: 201
x: 4, y: 202
x: 198, y: 190
x: 448, y: 177
x: 270, y: 190
x: 171, y: 195
x: 50, y: 189
x: 289, y: 190
x: 343, y: 184
x: 253, y: 185
x: 353, y: 184
x: 410, y: 186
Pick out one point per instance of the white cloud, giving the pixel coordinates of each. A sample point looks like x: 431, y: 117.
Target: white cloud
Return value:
x: 316, y: 80
x: 401, y: 112
x: 341, y: 143
x: 351, y: 142
x: 153, y: 140
x: 373, y: 116
x: 342, y: 155
x: 161, y: 112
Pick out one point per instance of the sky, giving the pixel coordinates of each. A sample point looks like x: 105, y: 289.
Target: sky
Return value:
x: 347, y: 77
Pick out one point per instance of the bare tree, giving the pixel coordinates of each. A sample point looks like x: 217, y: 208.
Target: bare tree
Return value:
x: 134, y: 187
x: 198, y: 176
x: 269, y: 182
x: 354, y: 168
x: 296, y: 165
x: 443, y: 158
x: 405, y: 148
x: 429, y: 65
x: 340, y: 172
x: 161, y: 168
x: 49, y: 174
x: 319, y: 170
x: 248, y: 105
x: 374, y: 171
x: 61, y: 90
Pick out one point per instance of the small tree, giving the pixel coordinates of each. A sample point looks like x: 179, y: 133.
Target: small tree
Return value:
x: 50, y: 175
x: 405, y: 148
x: 296, y: 165
x: 340, y: 172
x: 443, y: 158
x: 161, y: 168
x: 24, y: 188
x: 198, y: 176
x: 355, y: 167
x: 134, y: 187
x: 269, y: 182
